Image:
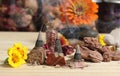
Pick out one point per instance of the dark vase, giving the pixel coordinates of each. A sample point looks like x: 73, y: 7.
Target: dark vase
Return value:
x: 109, y: 16
x: 79, y: 32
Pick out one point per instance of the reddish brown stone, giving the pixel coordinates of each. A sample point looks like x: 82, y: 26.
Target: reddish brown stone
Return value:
x: 115, y: 55
x: 90, y: 55
x: 52, y: 60
x: 107, y: 57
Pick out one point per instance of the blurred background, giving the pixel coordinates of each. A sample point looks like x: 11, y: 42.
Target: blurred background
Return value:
x: 27, y: 15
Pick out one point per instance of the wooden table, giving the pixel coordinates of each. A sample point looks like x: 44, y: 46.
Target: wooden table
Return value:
x: 29, y: 38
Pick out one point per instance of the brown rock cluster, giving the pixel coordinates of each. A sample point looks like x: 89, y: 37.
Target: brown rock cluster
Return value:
x: 93, y: 51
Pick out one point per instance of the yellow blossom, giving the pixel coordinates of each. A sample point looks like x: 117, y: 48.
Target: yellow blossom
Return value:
x: 20, y: 48
x: 17, y: 55
x: 10, y: 51
x: 25, y: 52
x: 101, y: 39
x: 15, y: 59
x: 17, y: 45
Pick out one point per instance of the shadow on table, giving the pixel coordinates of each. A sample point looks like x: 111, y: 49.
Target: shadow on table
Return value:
x: 4, y: 65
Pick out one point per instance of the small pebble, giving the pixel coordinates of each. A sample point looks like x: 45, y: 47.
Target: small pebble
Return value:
x: 109, y: 39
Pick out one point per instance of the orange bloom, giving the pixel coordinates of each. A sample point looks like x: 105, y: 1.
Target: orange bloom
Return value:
x: 63, y: 40
x: 79, y: 11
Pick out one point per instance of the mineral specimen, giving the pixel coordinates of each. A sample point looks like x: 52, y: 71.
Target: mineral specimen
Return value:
x: 90, y: 55
x: 56, y: 58
x: 67, y: 49
x: 52, y: 60
x: 115, y: 55
x: 77, y: 61
x: 37, y: 54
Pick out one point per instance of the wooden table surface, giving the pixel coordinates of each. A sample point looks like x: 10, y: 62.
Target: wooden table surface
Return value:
x: 7, y: 39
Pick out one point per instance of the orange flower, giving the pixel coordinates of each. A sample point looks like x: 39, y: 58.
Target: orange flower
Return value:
x: 79, y: 11
x: 63, y: 40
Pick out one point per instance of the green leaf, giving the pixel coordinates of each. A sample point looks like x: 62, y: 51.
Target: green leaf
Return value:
x: 6, y: 61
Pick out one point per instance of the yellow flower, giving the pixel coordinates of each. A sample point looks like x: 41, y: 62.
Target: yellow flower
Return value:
x: 15, y: 59
x: 17, y: 55
x: 10, y: 51
x: 18, y: 45
x: 23, y: 50
x: 101, y: 39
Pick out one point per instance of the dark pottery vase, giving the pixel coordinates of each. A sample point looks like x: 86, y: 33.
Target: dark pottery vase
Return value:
x: 109, y: 17
x: 78, y: 32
